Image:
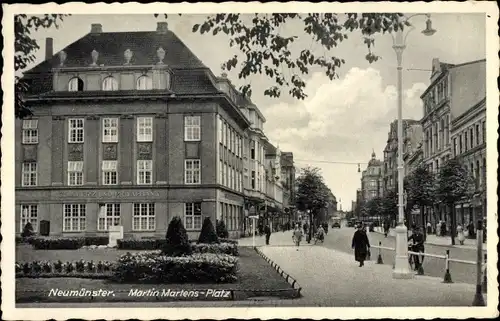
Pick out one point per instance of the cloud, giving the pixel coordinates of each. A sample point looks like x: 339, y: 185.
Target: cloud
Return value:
x: 340, y: 121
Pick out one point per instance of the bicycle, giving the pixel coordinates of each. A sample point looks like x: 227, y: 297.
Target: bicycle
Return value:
x: 318, y: 239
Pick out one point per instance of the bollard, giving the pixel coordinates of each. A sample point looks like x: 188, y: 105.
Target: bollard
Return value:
x: 485, y: 276
x: 379, y: 259
x: 478, y: 297
x: 447, y: 275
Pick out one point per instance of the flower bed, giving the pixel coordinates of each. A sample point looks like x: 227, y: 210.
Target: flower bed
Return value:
x: 81, y: 269
x: 229, y: 248
x: 68, y: 243
x: 153, y: 267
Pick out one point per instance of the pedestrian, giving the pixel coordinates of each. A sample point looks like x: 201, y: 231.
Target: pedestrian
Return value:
x: 438, y: 228
x: 418, y: 246
x: 297, y: 235
x: 443, y: 228
x: 472, y: 232
x: 361, y: 245
x: 460, y: 234
x: 429, y: 228
x: 267, y: 231
x: 386, y: 228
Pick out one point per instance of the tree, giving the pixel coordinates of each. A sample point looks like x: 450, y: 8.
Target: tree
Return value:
x: 207, y: 234
x: 389, y: 206
x: 453, y: 184
x: 222, y: 230
x: 266, y: 49
x: 25, y: 48
x: 374, y: 207
x: 177, y: 241
x: 420, y: 188
x: 312, y: 193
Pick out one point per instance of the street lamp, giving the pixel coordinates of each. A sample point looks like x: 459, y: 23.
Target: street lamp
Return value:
x: 401, y: 266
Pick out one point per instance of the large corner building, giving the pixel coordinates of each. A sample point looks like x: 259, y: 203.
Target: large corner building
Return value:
x: 132, y: 129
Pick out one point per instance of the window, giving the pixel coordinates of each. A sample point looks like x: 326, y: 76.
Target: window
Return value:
x: 144, y: 83
x: 144, y: 217
x: 144, y: 129
x: 224, y: 129
x: 471, y: 133
x: 478, y: 175
x: 192, y: 171
x: 74, y: 217
x: 484, y: 132
x: 109, y: 173
x: 466, y: 145
x: 109, y: 84
x: 29, y: 214
x: 221, y: 130
x: 144, y: 172
x: 30, y: 131
x: 192, y: 216
x: 110, y: 130
x: 29, y: 174
x: 252, y: 149
x: 460, y: 144
x: 75, y: 84
x: 192, y: 128
x: 455, y: 146
x: 477, y: 134
x: 253, y: 179
x: 75, y: 173
x: 75, y: 134
x: 109, y: 215
x: 221, y: 172
x: 373, y: 183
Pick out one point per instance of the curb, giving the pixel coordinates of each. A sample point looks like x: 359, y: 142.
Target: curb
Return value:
x: 467, y: 247
x: 289, y: 279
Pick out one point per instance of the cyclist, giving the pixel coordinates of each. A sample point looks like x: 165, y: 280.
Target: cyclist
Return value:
x: 320, y: 234
x: 418, y: 245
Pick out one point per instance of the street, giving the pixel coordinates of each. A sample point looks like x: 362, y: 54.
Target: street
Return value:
x: 340, y: 239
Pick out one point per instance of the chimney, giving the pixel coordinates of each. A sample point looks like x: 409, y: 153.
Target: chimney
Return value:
x: 96, y: 28
x: 49, y: 48
x: 162, y: 27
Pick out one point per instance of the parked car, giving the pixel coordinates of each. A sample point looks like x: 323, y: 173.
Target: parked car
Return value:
x: 336, y: 225
x: 350, y: 223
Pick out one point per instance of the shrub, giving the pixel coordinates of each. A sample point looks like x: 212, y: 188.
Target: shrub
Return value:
x: 222, y: 232
x: 79, y: 269
x: 176, y: 240
x: 221, y: 248
x: 207, y: 234
x: 153, y: 267
x: 95, y: 240
x: 27, y: 230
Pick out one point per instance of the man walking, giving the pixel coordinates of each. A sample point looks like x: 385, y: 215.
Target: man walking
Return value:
x: 361, y: 245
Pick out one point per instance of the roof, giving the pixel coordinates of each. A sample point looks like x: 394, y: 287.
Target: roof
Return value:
x: 112, y: 45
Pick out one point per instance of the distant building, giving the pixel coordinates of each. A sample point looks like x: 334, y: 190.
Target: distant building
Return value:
x: 371, y: 180
x: 390, y: 164
x: 287, y: 177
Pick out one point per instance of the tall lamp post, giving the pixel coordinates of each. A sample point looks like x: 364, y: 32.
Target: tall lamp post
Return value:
x: 401, y: 266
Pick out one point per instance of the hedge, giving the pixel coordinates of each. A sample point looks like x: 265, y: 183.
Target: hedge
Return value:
x: 220, y: 248
x: 68, y: 243
x: 153, y: 267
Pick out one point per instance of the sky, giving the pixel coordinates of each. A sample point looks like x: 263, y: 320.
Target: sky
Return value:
x: 343, y: 120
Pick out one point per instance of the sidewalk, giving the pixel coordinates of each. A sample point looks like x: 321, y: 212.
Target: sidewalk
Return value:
x: 277, y: 239
x: 432, y: 239
x: 333, y: 278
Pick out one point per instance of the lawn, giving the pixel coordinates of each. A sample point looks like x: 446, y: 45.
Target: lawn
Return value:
x: 255, y: 278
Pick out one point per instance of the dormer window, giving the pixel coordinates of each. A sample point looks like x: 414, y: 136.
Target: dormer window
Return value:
x: 75, y: 84
x: 144, y: 83
x: 109, y: 84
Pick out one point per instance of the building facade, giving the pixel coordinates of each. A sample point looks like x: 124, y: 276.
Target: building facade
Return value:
x: 288, y: 174
x: 133, y: 135
x: 454, y: 89
x: 371, y: 180
x: 390, y: 164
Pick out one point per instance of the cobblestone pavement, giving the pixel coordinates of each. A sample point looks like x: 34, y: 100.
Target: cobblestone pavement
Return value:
x: 332, y: 278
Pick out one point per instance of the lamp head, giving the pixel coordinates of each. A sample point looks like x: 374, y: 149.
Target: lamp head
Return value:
x: 428, y: 30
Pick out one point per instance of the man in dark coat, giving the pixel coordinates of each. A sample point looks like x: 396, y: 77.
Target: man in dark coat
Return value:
x: 267, y: 231
x: 361, y: 245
